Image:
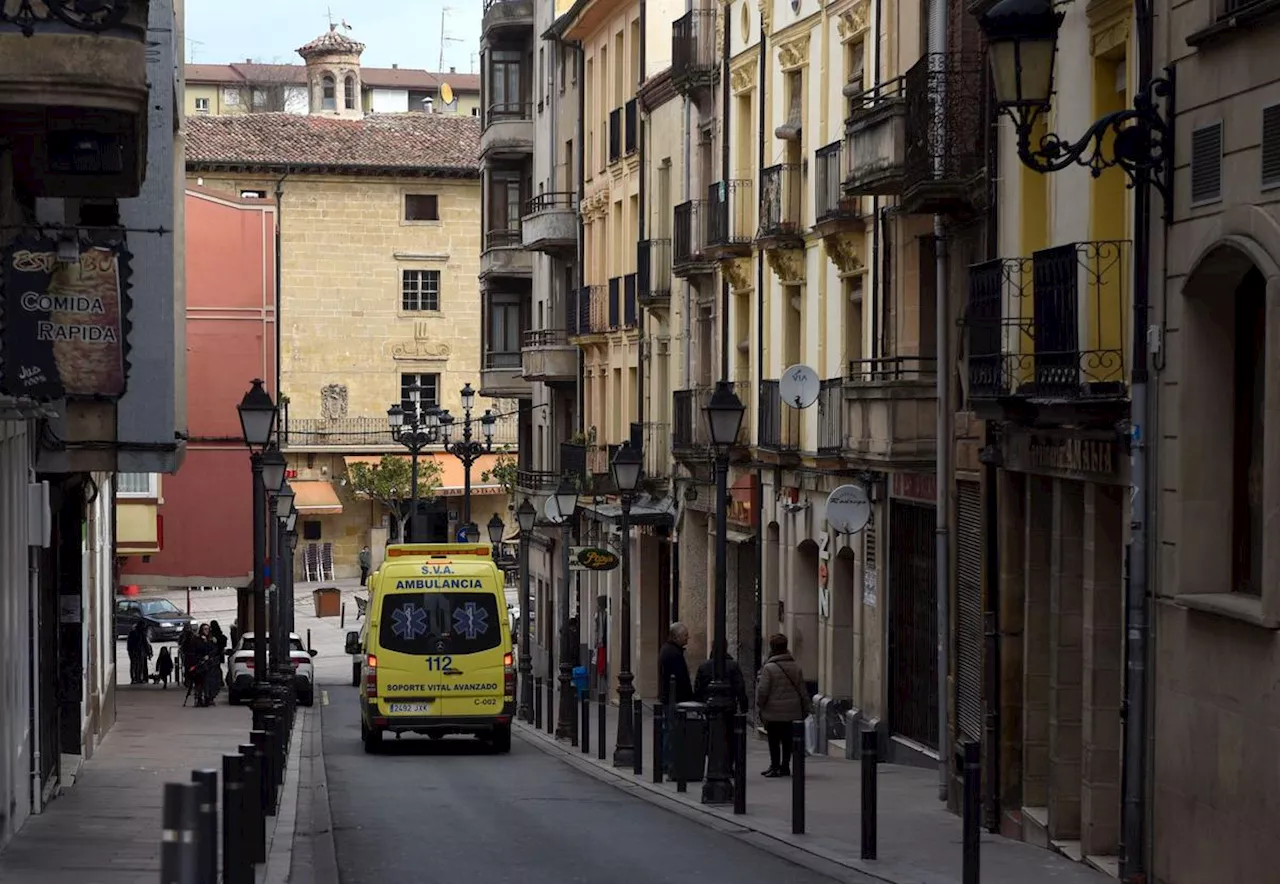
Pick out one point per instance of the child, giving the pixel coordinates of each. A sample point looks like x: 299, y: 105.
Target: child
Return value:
x: 164, y: 667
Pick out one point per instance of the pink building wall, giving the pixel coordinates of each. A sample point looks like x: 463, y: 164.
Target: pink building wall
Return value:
x: 230, y: 341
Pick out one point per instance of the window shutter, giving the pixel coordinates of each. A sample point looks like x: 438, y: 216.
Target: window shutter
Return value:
x: 1271, y: 145
x: 1206, y: 164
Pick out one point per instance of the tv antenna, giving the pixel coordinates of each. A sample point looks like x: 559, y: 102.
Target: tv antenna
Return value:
x: 444, y: 36
x: 191, y: 49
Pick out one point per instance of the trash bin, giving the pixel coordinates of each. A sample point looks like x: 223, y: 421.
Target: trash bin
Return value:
x: 691, y: 741
x: 328, y: 601
x: 580, y: 679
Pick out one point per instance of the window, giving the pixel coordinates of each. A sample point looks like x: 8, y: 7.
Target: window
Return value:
x: 506, y: 194
x: 421, y: 207
x: 505, y: 93
x: 419, y: 391
x: 420, y: 290
x: 422, y: 623
x: 502, y: 337
x: 311, y: 529
x: 253, y: 194
x: 202, y: 105
x: 1250, y: 404
x: 137, y: 485
x: 349, y: 92
x: 328, y: 99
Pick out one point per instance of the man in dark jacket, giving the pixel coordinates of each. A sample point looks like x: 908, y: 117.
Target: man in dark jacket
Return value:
x: 737, y: 683
x: 673, y: 670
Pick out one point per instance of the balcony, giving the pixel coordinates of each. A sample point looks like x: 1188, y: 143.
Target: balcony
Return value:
x: 731, y: 219
x: 508, y: 131
x: 74, y: 97
x: 592, y: 314
x: 946, y: 135
x: 631, y: 125
x: 615, y: 135
x: 779, y: 423
x: 689, y: 241
x: 688, y: 435
x: 538, y: 484
x: 653, y: 263
x: 1051, y: 330
x: 573, y: 460
x: 834, y: 212
x: 622, y: 302
x: 656, y: 447
x: 550, y: 224
x: 501, y: 17
x: 890, y: 411
x: 781, y: 213
x: 502, y: 375
x: 365, y: 433
x: 548, y: 356
x: 695, y: 58
x: 831, y: 416
x: 504, y: 254
x: 875, y: 135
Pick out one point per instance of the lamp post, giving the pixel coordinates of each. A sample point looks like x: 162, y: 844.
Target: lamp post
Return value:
x: 291, y: 537
x: 257, y: 421
x: 467, y: 449
x: 279, y: 630
x: 724, y: 415
x: 627, y: 466
x: 526, y: 517
x: 566, y: 498
x: 496, y: 529
x: 1022, y: 42
x: 416, y: 435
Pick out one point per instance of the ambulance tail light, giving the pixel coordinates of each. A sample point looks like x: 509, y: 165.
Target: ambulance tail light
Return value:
x: 509, y: 676
x: 371, y: 676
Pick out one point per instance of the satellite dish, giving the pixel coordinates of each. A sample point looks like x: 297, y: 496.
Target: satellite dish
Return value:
x: 848, y: 509
x: 446, y: 93
x: 799, y: 386
x: 552, y: 510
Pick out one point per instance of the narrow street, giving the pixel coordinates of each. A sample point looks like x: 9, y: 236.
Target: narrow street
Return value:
x: 441, y: 811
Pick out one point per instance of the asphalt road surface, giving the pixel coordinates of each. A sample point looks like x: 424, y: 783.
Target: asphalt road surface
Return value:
x: 448, y: 811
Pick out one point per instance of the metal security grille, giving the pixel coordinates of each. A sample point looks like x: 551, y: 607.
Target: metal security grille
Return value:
x: 969, y: 609
x: 913, y: 624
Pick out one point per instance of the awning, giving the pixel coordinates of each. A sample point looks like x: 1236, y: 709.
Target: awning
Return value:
x: 315, y: 498
x: 646, y: 510
x: 452, y: 474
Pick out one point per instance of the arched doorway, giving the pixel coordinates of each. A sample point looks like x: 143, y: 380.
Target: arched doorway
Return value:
x: 802, y: 609
x: 841, y: 644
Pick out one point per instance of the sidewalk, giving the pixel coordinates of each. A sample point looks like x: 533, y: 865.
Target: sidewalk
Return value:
x: 919, y: 840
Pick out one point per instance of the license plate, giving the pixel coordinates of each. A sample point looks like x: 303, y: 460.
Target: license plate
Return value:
x: 410, y: 707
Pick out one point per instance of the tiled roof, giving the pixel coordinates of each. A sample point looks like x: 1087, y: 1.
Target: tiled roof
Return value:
x: 331, y: 41
x: 411, y: 141
x: 296, y: 74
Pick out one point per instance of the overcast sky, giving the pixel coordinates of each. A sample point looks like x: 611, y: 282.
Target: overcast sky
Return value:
x: 393, y: 31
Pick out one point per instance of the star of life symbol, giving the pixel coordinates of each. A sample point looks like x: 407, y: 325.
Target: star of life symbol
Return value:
x: 470, y: 620
x: 409, y: 621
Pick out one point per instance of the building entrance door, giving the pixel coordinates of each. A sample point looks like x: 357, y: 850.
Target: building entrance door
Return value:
x: 913, y: 624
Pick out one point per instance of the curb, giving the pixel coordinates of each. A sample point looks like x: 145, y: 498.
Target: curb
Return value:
x: 315, y: 859
x: 788, y: 848
x: 280, y: 845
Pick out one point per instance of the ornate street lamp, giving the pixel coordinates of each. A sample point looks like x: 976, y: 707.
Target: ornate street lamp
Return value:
x: 496, y: 528
x: 257, y: 421
x: 274, y: 467
x: 1022, y: 38
x: 526, y: 517
x: 467, y: 449
x: 284, y: 501
x: 566, y: 498
x: 724, y: 417
x: 420, y: 431
x: 626, y: 467
x: 257, y: 416
x: 471, y: 532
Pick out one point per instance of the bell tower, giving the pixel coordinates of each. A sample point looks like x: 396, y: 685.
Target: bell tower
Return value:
x: 333, y: 75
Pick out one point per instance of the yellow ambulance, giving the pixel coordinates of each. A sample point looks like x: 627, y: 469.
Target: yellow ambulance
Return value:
x: 437, y: 646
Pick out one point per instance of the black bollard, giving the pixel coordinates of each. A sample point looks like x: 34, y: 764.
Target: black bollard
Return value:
x: 971, y: 760
x: 602, y: 726
x: 206, y: 782
x: 573, y: 723
x: 551, y: 705
x: 677, y: 749
x: 585, y: 716
x: 659, y: 717
x: 342, y: 616
x: 255, y: 822
x: 740, y: 763
x: 870, y: 760
x: 638, y: 731
x: 275, y: 734
x: 537, y: 703
x: 262, y: 758
x: 797, y: 778
x: 235, y: 862
x: 179, y: 833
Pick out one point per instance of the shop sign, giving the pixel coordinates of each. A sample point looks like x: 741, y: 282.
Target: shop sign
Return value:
x: 63, y: 330
x: 1064, y: 455
x: 918, y: 487
x: 592, y: 558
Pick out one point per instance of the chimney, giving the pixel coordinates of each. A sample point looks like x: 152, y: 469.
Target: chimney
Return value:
x: 395, y: 67
x: 452, y: 69
x: 248, y: 61
x: 428, y: 105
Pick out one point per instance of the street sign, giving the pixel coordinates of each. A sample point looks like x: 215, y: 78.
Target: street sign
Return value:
x: 848, y: 509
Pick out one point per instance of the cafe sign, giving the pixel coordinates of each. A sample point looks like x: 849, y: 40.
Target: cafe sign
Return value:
x: 62, y: 331
x: 592, y: 558
x: 1065, y: 455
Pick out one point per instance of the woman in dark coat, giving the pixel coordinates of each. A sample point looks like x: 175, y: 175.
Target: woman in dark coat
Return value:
x: 139, y: 650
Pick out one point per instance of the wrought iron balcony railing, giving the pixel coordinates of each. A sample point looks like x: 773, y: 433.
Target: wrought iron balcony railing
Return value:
x: 544, y: 337
x: 573, y: 459
x: 684, y: 420
x: 367, y: 432
x: 887, y: 369
x: 689, y: 236
x: 831, y: 203
x: 695, y: 61
x: 593, y: 312
x: 831, y: 416
x: 731, y: 214
x: 653, y: 271
x: 537, y: 482
x: 779, y: 426
x: 503, y: 239
x: 508, y: 111
x: 552, y: 202
x: 781, y: 199
x: 946, y: 144
x: 1052, y: 327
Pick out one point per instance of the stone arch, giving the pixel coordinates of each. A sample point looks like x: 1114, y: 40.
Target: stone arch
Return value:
x: 802, y: 608
x: 350, y: 91
x: 328, y: 91
x: 841, y: 625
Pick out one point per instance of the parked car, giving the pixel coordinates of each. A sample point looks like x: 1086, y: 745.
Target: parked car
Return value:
x: 241, y: 671
x: 165, y: 621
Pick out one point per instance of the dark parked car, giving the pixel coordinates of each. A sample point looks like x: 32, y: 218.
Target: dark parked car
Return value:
x: 163, y: 618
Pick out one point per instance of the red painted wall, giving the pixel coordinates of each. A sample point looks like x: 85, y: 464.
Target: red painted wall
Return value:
x: 230, y: 245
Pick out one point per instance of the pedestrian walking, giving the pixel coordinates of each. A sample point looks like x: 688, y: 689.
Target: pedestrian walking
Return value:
x: 673, y: 668
x: 164, y: 667
x: 781, y: 699
x: 139, y: 648
x: 365, y: 560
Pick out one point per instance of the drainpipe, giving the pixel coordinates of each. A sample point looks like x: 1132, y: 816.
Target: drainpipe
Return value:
x: 640, y: 232
x: 946, y: 421
x: 580, y: 63
x: 876, y: 223
x: 726, y: 100
x: 760, y: 321
x: 279, y: 277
